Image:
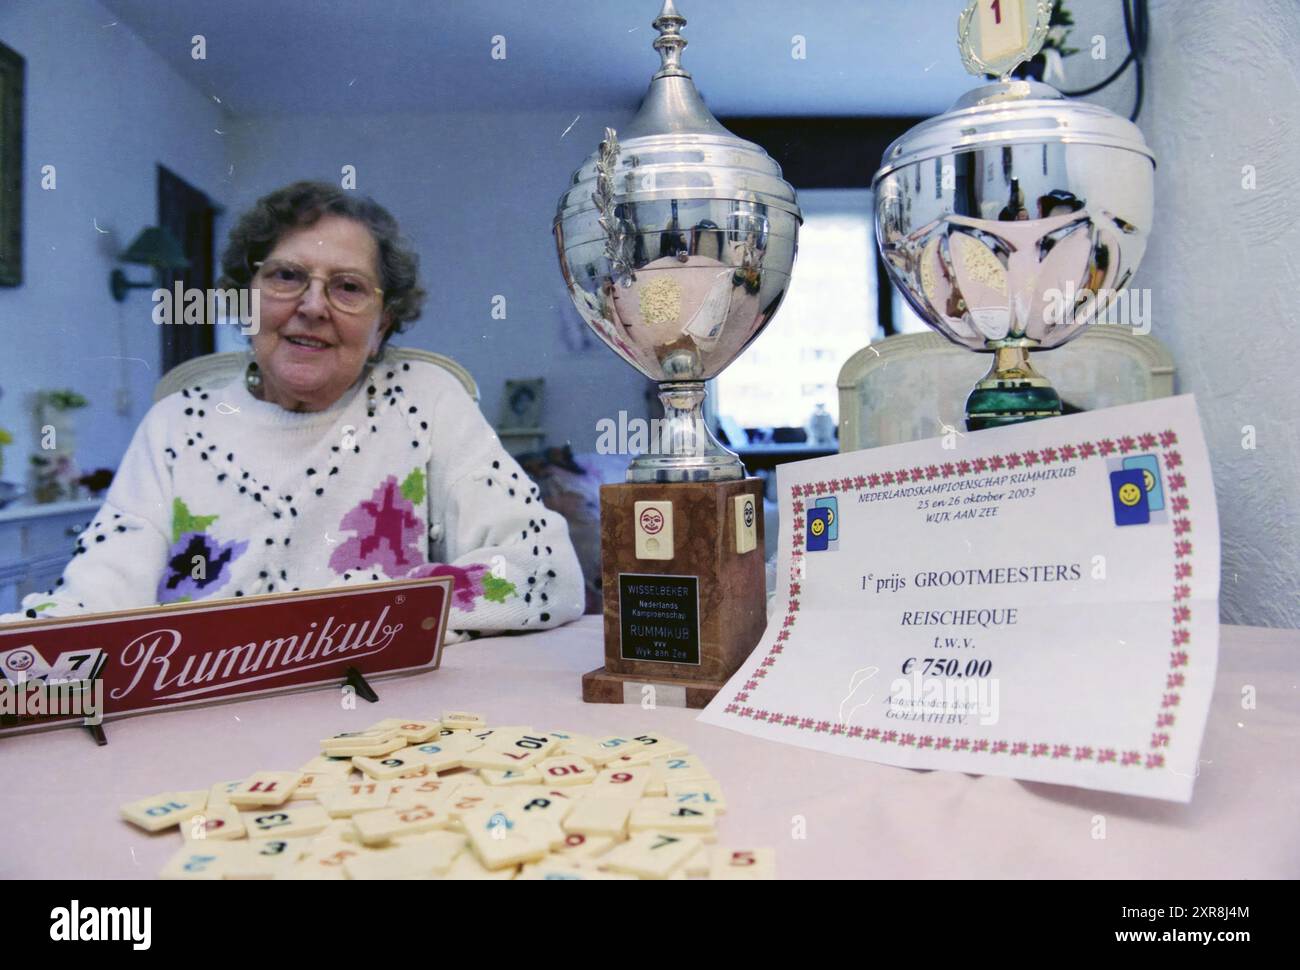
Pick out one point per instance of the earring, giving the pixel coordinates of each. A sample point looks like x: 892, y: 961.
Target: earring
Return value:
x: 370, y: 393
x: 252, y: 378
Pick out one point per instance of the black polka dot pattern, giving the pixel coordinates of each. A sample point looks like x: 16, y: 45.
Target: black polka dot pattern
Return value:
x: 329, y: 466
x: 538, y: 577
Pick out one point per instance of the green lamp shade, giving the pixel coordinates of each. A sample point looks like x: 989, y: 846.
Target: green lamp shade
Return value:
x: 154, y: 247
x: 158, y: 248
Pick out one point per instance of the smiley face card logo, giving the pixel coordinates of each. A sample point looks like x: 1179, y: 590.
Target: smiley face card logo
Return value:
x: 818, y: 525
x: 1149, y: 465
x: 1129, y: 497
x: 833, y: 523
x: 823, y: 526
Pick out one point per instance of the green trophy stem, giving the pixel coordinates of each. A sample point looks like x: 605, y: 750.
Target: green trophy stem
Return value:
x: 1011, y: 392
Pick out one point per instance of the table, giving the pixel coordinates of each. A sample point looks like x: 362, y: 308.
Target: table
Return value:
x: 766, y: 457
x: 826, y: 816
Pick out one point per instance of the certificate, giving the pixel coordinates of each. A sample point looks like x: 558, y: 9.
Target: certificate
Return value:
x: 1038, y: 601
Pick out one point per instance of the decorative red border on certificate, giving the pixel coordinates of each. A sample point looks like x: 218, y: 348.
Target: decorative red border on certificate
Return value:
x: 741, y: 705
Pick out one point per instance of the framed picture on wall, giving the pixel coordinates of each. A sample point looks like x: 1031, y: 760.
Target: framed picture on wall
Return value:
x: 521, y: 406
x: 12, y: 70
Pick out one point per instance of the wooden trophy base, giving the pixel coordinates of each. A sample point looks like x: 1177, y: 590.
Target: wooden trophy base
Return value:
x: 599, y: 686
x: 685, y: 590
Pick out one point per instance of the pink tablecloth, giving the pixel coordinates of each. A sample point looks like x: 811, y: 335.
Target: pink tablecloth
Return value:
x: 826, y: 816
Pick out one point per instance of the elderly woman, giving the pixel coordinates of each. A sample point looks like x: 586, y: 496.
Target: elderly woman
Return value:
x: 326, y: 463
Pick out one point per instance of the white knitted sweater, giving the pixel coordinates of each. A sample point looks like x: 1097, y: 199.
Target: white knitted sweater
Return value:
x: 222, y: 495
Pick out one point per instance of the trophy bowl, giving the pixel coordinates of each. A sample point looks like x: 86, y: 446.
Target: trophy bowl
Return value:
x: 1011, y: 222
x: 676, y: 241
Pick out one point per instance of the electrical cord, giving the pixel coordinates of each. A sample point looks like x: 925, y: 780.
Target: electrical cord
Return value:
x: 1137, y: 30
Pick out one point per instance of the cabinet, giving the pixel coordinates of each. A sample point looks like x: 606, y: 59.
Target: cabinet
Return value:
x: 36, y: 542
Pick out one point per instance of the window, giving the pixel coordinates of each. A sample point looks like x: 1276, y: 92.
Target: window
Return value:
x: 905, y: 318
x: 828, y: 315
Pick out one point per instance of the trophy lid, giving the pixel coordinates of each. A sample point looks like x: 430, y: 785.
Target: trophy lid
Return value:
x: 1012, y: 112
x: 675, y: 149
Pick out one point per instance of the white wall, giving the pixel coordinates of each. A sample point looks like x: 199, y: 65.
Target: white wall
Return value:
x: 1225, y: 95
x: 476, y: 194
x: 105, y: 111
x: 1223, y: 92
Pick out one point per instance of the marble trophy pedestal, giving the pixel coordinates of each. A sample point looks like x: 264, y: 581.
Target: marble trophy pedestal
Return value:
x: 684, y: 586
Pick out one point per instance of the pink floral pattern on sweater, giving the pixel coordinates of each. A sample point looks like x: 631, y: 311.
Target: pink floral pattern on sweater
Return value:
x: 386, y: 533
x: 468, y: 581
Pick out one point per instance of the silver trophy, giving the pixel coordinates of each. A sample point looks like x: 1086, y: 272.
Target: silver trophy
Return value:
x: 676, y: 240
x: 1014, y: 219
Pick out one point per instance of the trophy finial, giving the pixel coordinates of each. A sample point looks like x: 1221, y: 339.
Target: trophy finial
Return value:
x: 670, y: 42
x: 996, y: 37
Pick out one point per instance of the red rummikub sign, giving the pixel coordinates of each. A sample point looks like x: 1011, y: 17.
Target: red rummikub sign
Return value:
x: 196, y: 653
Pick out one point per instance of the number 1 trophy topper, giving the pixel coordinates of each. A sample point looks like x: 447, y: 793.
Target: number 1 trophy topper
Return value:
x: 997, y: 36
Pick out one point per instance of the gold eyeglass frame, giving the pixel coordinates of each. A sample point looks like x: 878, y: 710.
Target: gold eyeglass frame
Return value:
x: 257, y: 268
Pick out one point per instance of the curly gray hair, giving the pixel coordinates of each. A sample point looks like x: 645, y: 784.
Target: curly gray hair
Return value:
x: 302, y: 204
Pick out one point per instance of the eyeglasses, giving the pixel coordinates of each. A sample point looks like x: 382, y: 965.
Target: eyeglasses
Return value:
x: 346, y: 292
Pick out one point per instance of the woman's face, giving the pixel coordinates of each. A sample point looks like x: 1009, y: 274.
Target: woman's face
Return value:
x: 309, y: 352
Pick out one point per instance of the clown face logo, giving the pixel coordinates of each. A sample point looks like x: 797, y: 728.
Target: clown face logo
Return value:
x: 23, y: 663
x: 652, y: 521
x: 20, y: 660
x: 749, y: 515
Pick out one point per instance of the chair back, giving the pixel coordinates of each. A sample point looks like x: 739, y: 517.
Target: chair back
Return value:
x: 913, y: 386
